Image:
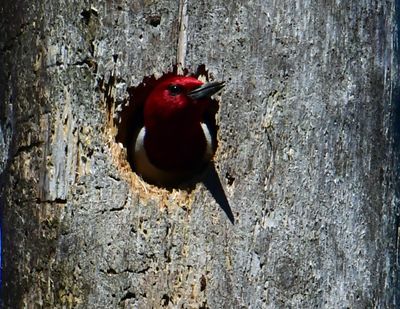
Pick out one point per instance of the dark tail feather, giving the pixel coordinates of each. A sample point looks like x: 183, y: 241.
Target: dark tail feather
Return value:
x: 213, y: 184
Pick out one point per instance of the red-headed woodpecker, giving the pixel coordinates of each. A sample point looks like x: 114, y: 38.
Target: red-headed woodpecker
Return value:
x: 174, y: 143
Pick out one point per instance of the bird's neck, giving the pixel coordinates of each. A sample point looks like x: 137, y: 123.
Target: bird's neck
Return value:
x: 178, y: 145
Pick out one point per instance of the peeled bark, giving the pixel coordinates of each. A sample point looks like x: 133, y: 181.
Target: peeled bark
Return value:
x: 306, y: 153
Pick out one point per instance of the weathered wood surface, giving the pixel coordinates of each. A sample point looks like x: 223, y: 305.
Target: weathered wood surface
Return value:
x: 306, y: 155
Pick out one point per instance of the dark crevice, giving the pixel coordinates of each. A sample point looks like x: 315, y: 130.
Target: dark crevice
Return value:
x: 128, y: 295
x: 154, y: 20
x: 114, y: 177
x: 167, y: 256
x: 27, y: 148
x: 229, y: 178
x: 203, y: 283
x: 116, y: 209
x: 55, y: 201
x: 106, y: 88
x: 204, y: 305
x: 112, y: 271
x: 87, y: 15
x: 89, y: 61
x: 165, y: 300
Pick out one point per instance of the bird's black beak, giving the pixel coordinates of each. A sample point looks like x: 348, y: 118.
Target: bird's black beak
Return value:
x: 206, y: 90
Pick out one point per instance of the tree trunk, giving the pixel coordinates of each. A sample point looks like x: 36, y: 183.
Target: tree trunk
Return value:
x: 306, y: 154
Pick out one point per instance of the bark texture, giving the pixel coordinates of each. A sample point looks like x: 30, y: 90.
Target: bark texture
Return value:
x: 306, y: 154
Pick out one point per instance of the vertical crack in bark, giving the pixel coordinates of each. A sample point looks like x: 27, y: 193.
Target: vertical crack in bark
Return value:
x: 182, y: 36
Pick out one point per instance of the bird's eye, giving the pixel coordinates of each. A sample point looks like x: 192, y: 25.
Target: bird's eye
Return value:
x: 175, y: 89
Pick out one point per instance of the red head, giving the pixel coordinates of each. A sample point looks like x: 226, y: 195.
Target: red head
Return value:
x: 169, y: 102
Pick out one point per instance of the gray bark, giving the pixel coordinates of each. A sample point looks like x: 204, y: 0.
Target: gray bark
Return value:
x: 306, y: 154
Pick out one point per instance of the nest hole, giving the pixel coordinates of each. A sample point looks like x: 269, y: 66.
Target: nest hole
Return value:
x: 131, y: 120
x: 154, y: 20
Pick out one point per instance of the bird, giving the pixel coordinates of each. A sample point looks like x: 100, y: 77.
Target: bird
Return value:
x: 175, y: 142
